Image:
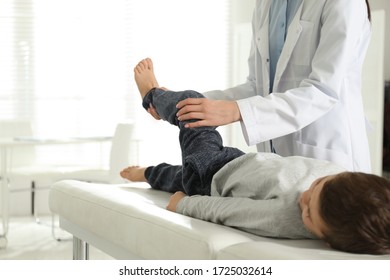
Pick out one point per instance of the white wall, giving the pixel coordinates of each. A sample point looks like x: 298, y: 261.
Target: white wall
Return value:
x: 373, y: 90
x: 242, y: 10
x: 384, y: 5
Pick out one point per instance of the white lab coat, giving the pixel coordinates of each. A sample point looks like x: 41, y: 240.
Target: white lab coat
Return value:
x: 316, y: 108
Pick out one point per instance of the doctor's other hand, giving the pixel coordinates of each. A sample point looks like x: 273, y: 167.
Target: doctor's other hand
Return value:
x: 174, y: 200
x: 153, y: 112
x: 207, y: 112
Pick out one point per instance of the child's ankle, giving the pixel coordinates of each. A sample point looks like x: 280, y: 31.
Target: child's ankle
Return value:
x: 147, y: 100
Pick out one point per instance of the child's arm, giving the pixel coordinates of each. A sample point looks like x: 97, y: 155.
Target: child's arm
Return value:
x: 277, y: 217
x: 174, y: 200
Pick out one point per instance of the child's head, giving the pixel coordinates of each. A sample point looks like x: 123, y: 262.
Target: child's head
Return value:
x: 353, y: 212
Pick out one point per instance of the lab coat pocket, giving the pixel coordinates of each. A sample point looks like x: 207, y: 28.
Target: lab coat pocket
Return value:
x: 304, y: 48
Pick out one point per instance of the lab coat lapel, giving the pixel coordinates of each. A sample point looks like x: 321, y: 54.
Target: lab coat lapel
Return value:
x: 294, y: 31
x: 262, y: 41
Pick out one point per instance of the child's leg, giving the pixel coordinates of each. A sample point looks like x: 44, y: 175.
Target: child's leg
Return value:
x: 202, y: 151
x: 163, y: 177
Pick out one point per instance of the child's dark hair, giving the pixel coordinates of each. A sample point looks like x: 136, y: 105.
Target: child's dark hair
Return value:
x: 356, y: 210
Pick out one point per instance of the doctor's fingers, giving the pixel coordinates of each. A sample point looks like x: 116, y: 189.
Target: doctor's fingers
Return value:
x: 192, y: 116
x: 189, y: 109
x: 200, y: 123
x: 190, y: 101
x: 153, y: 112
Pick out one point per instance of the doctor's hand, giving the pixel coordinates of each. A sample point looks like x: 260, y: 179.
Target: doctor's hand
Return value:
x: 208, y: 112
x: 174, y: 200
x: 153, y: 112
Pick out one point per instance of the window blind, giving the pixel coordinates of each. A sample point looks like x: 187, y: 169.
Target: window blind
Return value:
x: 67, y: 65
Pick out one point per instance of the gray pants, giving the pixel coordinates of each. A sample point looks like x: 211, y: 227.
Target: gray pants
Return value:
x: 203, y: 154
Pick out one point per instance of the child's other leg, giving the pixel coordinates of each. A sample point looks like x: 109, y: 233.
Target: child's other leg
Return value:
x: 163, y: 177
x: 134, y: 174
x: 203, y: 153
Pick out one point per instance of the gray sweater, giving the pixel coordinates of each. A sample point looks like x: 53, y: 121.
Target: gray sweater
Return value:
x: 259, y: 193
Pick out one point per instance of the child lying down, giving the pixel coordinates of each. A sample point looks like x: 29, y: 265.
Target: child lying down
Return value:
x: 263, y: 193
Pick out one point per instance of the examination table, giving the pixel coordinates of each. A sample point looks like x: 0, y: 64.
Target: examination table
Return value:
x: 129, y: 221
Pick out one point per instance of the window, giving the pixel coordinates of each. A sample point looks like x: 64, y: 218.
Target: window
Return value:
x: 68, y: 64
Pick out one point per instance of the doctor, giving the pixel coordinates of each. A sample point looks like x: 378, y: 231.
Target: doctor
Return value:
x: 303, y: 93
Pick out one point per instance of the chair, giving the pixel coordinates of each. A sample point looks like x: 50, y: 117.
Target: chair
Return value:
x: 23, y: 156
x: 23, y: 164
x: 120, y: 157
x: 21, y: 172
x: 19, y: 157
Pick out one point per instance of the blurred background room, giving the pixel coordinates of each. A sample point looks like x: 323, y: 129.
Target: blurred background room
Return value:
x: 70, y: 109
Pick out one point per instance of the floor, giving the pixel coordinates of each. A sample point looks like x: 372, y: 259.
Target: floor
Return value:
x: 29, y: 239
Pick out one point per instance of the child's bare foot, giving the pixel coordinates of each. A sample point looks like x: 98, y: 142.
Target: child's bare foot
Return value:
x: 144, y: 76
x: 134, y: 174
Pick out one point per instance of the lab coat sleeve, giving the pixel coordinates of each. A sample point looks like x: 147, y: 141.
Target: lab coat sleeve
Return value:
x: 282, y: 113
x: 261, y: 217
